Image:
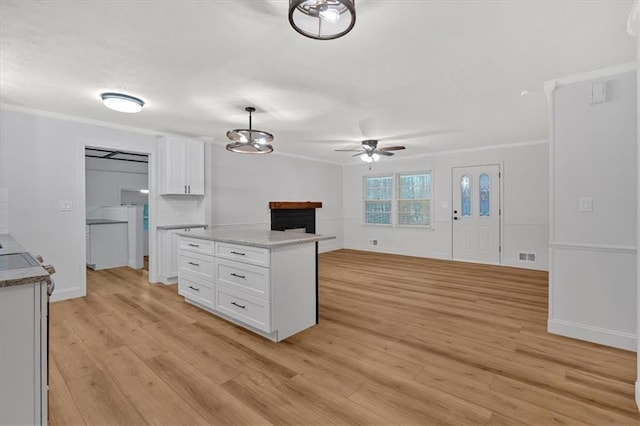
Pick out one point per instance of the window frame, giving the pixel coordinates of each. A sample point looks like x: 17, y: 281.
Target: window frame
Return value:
x: 364, y: 199
x: 397, y: 199
x: 395, y: 182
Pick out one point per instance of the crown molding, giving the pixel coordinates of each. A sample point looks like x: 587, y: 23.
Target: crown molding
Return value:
x: 633, y: 22
x: 551, y: 85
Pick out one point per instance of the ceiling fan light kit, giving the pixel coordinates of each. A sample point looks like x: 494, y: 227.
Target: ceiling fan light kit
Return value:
x: 250, y: 141
x: 322, y: 19
x: 121, y: 102
x: 370, y: 153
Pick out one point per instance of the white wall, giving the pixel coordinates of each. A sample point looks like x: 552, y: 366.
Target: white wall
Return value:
x: 524, y: 203
x: 105, y: 179
x: 42, y: 163
x: 242, y: 186
x: 592, y: 293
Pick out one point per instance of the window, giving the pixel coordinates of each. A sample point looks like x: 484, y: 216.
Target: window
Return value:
x: 414, y: 199
x: 485, y: 194
x: 378, y: 196
x: 465, y: 194
x: 403, y: 199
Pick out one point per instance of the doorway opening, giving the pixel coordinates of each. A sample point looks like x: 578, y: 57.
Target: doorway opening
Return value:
x: 477, y: 213
x: 117, y: 209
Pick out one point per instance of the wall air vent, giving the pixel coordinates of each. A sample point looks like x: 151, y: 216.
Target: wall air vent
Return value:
x: 526, y: 257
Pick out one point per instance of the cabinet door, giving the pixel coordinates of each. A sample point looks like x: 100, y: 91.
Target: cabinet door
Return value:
x: 172, y: 156
x: 169, y: 241
x: 195, y: 167
x: 181, y: 166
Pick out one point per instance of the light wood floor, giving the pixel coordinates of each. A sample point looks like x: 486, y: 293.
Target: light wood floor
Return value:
x: 401, y: 340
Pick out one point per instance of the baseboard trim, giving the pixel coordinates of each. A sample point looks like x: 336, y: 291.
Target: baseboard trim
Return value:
x: 66, y: 293
x: 524, y: 265
x: 134, y: 265
x: 430, y: 255
x: 616, y: 339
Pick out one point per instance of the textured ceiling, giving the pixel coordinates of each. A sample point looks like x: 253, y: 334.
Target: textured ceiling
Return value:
x: 432, y: 75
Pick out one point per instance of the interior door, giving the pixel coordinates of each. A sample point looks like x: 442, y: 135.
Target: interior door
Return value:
x: 476, y: 213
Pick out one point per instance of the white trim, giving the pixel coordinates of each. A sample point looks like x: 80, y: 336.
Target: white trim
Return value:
x: 462, y: 151
x: 590, y: 75
x: 633, y: 28
x: 638, y: 394
x: 400, y: 251
x: 616, y: 339
x: 523, y: 265
x: 76, y: 119
x: 67, y: 293
x: 608, y: 248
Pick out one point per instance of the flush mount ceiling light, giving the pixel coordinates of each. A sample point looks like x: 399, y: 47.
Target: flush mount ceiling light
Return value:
x: 250, y: 141
x: 322, y: 19
x: 122, y: 103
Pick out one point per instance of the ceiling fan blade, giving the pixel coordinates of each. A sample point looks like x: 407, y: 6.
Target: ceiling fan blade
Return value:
x: 358, y: 154
x: 392, y: 148
x: 349, y: 150
x: 385, y: 153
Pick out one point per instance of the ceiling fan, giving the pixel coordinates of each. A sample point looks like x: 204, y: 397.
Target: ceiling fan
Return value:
x: 370, y: 151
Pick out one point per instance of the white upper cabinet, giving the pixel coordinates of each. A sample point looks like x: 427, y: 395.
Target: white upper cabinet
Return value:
x: 181, y: 166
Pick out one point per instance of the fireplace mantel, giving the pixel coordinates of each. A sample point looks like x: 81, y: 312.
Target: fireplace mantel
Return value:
x: 294, y: 205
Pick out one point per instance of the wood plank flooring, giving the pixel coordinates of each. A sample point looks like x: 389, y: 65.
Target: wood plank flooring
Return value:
x: 401, y: 340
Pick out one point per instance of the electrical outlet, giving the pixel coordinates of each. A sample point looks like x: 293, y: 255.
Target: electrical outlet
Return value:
x: 373, y: 242
x: 66, y: 206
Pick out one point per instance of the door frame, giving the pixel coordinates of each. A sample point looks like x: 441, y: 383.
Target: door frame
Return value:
x: 82, y: 219
x: 500, y: 165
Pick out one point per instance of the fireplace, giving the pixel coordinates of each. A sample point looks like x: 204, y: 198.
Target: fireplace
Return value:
x: 287, y: 215
x: 295, y: 216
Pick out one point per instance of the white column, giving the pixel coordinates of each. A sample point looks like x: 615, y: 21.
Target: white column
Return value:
x: 633, y: 26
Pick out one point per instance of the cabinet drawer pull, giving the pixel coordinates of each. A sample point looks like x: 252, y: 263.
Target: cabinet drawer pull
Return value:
x: 193, y: 245
x: 194, y: 264
x: 239, y: 276
x: 185, y: 189
x: 239, y: 306
x: 193, y: 288
x: 238, y: 253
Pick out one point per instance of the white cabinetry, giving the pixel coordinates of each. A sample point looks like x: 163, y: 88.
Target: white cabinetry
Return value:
x: 271, y: 291
x: 23, y: 354
x: 181, y: 166
x: 168, y: 243
x: 107, y: 245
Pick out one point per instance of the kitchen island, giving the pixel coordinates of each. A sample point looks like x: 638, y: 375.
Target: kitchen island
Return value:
x: 23, y: 335
x: 265, y: 281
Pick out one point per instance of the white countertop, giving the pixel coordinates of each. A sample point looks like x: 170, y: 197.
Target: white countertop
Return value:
x: 17, y: 276
x: 256, y: 237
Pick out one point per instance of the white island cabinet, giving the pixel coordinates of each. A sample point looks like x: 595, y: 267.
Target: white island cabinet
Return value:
x: 265, y: 281
x: 23, y: 336
x: 181, y: 166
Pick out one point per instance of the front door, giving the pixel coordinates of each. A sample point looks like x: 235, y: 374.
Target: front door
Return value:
x: 476, y: 213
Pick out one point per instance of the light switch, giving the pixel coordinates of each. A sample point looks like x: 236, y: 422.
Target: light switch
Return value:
x: 66, y: 206
x: 586, y: 204
x: 598, y: 93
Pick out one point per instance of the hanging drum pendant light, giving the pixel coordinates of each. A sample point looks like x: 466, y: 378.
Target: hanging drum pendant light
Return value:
x: 250, y: 141
x: 322, y: 19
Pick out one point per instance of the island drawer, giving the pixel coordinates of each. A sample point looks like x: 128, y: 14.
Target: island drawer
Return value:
x: 196, y: 264
x: 195, y: 289
x: 197, y: 245
x: 248, y: 254
x: 250, y: 310
x: 249, y: 279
